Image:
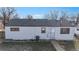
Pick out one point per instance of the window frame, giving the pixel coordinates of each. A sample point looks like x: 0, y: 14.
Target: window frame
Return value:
x: 43, y: 29
x: 14, y: 29
x: 62, y: 31
x: 77, y: 29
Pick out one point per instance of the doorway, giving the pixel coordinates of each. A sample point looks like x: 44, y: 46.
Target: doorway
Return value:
x: 52, y: 34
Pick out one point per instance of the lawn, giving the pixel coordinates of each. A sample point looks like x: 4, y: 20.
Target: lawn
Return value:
x: 1, y: 34
x: 32, y: 45
x: 26, y: 46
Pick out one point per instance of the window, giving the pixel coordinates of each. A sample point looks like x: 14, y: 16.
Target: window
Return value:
x: 43, y: 30
x: 64, y: 31
x: 14, y: 29
x: 77, y: 29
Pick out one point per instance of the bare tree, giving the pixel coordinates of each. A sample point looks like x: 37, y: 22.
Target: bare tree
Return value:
x: 64, y: 15
x: 53, y: 15
x: 7, y: 13
x: 78, y: 17
x: 73, y: 18
x: 16, y: 16
x: 29, y: 17
x: 46, y: 16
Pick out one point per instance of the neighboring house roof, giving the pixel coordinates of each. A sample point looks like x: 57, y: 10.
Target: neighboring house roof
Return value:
x: 39, y: 22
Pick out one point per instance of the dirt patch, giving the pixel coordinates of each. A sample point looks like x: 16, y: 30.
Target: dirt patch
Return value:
x: 67, y: 45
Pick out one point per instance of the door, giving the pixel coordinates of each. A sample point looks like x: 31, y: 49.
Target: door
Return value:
x: 52, y: 34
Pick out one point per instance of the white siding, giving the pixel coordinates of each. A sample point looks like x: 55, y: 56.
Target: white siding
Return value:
x: 69, y: 36
x: 77, y: 31
x: 31, y: 32
x: 26, y: 33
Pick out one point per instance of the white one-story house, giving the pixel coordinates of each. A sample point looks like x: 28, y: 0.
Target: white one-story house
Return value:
x: 26, y: 29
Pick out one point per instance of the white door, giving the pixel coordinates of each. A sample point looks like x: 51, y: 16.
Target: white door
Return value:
x: 52, y: 34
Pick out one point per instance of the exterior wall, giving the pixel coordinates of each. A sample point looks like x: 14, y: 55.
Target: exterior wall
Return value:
x: 27, y: 33
x: 77, y: 31
x: 31, y: 32
x: 69, y: 36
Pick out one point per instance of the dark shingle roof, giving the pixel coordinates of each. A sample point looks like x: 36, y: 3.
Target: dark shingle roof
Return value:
x: 39, y: 22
